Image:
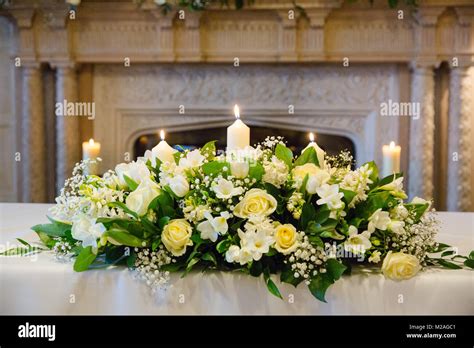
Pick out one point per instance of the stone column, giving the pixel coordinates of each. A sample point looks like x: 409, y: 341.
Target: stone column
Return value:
x: 288, y: 32
x: 33, y: 140
x: 68, y: 141
x: 460, y: 139
x: 421, y: 154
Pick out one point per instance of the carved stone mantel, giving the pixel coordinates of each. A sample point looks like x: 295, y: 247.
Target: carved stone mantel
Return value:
x: 330, y: 31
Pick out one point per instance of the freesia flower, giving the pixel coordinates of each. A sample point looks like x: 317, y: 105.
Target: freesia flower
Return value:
x: 395, y: 187
x: 213, y: 226
x: 315, y: 181
x: 256, y: 242
x: 357, y: 243
x: 379, y: 220
x: 331, y: 196
x: 85, y: 229
x: 225, y: 189
x: 193, y: 159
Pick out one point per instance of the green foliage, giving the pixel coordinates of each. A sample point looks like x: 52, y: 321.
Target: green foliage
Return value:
x: 256, y: 171
x: 214, y: 167
x: 287, y: 276
x: 209, y: 150
x: 132, y: 184
x: 123, y: 237
x: 84, y: 259
x: 285, y: 154
x: 270, y: 284
x: 308, y: 214
x: 308, y: 156
x: 322, y: 281
x: 417, y: 210
x: 54, y: 229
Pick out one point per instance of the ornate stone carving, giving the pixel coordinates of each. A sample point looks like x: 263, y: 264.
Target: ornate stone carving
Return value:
x: 33, y: 138
x: 461, y: 105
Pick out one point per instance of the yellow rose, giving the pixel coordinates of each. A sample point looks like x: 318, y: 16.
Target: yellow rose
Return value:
x: 256, y: 202
x: 299, y: 172
x: 399, y: 266
x: 286, y: 238
x: 176, y: 236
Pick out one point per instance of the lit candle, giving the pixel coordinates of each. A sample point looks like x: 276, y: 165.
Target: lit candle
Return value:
x: 90, y: 151
x: 162, y: 150
x: 319, y: 152
x: 391, y: 159
x: 238, y: 134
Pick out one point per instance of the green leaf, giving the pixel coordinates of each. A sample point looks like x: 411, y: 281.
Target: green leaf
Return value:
x: 256, y: 269
x: 172, y: 267
x: 131, y: 259
x: 123, y: 207
x: 348, y: 195
x: 270, y: 284
x: 46, y: 240
x: 389, y: 178
x: 287, y: 276
x: 162, y: 222
x: 223, y: 246
x: 191, y: 264
x: 448, y: 264
x: 322, y: 215
x: 317, y: 241
x: 335, y: 268
x: 23, y: 242
x: 308, y: 156
x: 214, y: 167
x: 53, y: 229
x: 471, y: 255
x: 256, y: 171
x: 285, y: 154
x: 375, y: 172
x: 123, y: 237
x: 447, y: 253
x: 209, y: 150
x: 177, y: 156
x: 132, y: 184
x: 469, y: 263
x: 209, y: 256
x: 333, y: 234
x: 308, y: 213
x: 84, y: 259
x: 417, y: 209
x: 156, y: 243
x: 304, y: 183
x: 319, y: 285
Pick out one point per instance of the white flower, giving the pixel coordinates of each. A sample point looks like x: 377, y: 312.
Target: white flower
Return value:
x: 193, y: 159
x: 380, y: 220
x: 399, y: 212
x: 137, y: 171
x: 331, y: 196
x: 418, y: 200
x: 395, y: 187
x: 232, y: 254
x: 317, y: 180
x: 357, y: 243
x: 179, y: 185
x: 396, y: 226
x: 239, y: 169
x: 300, y: 172
x: 256, y: 242
x: 87, y: 230
x: 213, y: 226
x: 375, y: 257
x: 276, y: 172
x: 400, y: 266
x: 225, y: 189
x: 139, y: 200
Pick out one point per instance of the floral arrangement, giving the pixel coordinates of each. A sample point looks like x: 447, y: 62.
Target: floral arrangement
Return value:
x: 260, y: 210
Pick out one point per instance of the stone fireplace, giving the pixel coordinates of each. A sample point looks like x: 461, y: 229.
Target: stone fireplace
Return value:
x: 327, y: 70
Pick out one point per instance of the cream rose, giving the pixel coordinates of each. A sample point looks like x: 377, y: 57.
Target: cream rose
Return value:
x: 139, y: 200
x: 256, y: 202
x: 299, y: 172
x: 176, y: 236
x: 286, y: 238
x: 399, y: 266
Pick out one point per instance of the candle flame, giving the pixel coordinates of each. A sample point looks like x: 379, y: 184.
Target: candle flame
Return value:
x: 236, y: 111
x: 91, y: 141
x: 311, y: 136
x: 162, y: 134
x: 392, y: 145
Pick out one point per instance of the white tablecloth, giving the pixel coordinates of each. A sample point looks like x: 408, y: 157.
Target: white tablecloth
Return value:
x: 40, y: 285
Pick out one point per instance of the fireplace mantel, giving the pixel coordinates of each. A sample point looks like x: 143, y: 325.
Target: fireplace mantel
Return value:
x: 331, y: 34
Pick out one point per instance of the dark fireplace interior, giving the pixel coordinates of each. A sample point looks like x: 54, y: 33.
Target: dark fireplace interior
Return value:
x: 296, y: 140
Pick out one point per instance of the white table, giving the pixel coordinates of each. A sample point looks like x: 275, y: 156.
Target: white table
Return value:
x: 40, y: 285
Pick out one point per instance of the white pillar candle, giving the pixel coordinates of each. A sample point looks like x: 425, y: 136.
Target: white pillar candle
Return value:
x: 91, y: 151
x: 319, y: 152
x: 163, y: 151
x: 391, y: 159
x: 238, y: 134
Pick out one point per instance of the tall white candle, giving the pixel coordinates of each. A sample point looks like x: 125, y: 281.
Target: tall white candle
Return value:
x: 162, y: 150
x: 238, y: 134
x: 391, y: 159
x: 91, y: 151
x: 320, y: 152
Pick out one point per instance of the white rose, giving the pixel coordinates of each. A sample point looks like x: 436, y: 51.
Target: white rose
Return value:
x: 300, y: 172
x: 179, y: 185
x: 137, y: 171
x: 400, y: 266
x: 256, y: 202
x: 86, y: 230
x: 239, y: 169
x: 139, y: 200
x: 317, y: 180
x: 176, y: 236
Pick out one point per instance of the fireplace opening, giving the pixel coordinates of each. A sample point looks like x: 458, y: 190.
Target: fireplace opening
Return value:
x: 296, y: 140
